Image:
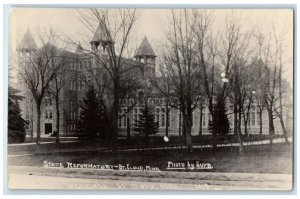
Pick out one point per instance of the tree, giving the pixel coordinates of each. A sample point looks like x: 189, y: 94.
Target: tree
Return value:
x: 163, y: 84
x: 146, y: 123
x: 55, y: 88
x: 235, y: 53
x: 115, y: 27
x: 91, y: 122
x: 207, y: 45
x: 16, y: 124
x: 39, y: 69
x: 220, y: 123
x: 181, y: 63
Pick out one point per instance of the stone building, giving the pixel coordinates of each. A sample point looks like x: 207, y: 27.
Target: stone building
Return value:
x: 75, y: 76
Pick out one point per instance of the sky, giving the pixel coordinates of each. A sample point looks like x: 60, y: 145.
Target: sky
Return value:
x: 151, y: 23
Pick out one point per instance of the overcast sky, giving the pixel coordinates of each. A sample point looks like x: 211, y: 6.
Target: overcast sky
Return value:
x: 152, y: 23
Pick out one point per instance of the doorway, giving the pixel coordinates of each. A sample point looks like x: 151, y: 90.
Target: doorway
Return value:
x: 48, y: 128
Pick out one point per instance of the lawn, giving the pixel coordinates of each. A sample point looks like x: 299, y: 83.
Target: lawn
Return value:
x: 257, y: 159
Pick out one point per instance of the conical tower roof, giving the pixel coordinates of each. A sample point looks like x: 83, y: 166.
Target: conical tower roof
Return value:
x: 79, y: 49
x: 145, y: 49
x: 100, y: 36
x: 27, y: 42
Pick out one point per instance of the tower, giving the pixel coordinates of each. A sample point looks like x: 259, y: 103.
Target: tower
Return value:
x: 79, y: 49
x: 27, y: 45
x: 26, y: 49
x: 101, y: 41
x: 146, y: 55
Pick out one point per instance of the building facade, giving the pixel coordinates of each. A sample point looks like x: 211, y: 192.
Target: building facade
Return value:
x: 76, y: 73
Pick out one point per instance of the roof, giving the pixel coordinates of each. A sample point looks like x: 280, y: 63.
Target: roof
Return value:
x: 27, y: 42
x: 145, y: 49
x: 79, y: 49
x: 100, y: 35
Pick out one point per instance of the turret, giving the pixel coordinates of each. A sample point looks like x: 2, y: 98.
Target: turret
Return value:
x: 27, y: 45
x: 101, y: 41
x: 145, y: 53
x: 79, y: 49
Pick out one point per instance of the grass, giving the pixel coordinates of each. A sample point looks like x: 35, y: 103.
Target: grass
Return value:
x: 255, y: 160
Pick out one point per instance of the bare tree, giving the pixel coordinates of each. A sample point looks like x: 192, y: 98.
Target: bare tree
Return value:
x: 282, y: 89
x: 39, y: 69
x: 207, y: 46
x: 55, y: 89
x: 115, y: 27
x: 163, y: 84
x: 270, y: 45
x: 184, y: 72
x: 231, y: 45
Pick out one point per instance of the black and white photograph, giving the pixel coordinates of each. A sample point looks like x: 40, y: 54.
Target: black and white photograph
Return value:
x: 168, y: 99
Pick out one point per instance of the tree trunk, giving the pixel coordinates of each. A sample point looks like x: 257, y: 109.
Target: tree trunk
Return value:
x: 260, y: 122
x: 271, y: 126
x: 245, y: 126
x: 31, y: 132
x: 189, y: 141
x: 284, y: 130
x: 239, y: 134
x: 114, y: 129
x: 167, y: 118
x: 214, y: 141
x: 235, y: 123
x: 114, y: 116
x: 200, y: 119
x: 38, y: 124
x: 179, y: 127
x: 128, y: 128
x: 188, y: 135
x: 57, y: 118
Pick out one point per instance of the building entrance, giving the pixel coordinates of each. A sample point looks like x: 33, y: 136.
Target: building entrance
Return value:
x: 48, y: 128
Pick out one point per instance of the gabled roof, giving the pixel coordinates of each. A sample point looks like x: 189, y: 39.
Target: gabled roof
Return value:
x: 145, y: 49
x: 27, y: 42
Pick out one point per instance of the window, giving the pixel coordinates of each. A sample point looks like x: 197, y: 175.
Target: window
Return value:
x: 74, y: 66
x: 192, y: 118
x: 252, y: 118
x: 72, y: 85
x: 258, y: 119
x: 46, y: 115
x: 162, y: 119
x: 157, y: 116
x: 80, y: 65
x: 119, y: 121
x: 135, y: 116
x: 203, y: 119
x: 168, y: 119
x: 125, y: 119
x: 50, y: 101
x: 179, y: 119
x: 232, y: 119
x: 50, y: 116
x: 80, y: 84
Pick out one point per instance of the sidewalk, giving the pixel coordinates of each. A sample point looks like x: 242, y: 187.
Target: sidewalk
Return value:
x: 32, y: 149
x: 249, y: 181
